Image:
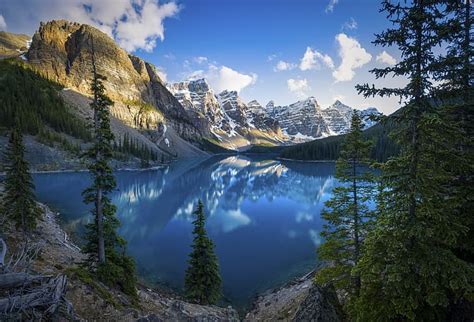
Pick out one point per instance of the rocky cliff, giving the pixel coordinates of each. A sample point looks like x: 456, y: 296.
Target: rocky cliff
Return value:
x: 231, y: 122
x: 13, y: 44
x: 62, y: 51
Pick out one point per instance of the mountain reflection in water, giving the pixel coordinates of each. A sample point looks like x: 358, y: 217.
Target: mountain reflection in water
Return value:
x: 263, y: 215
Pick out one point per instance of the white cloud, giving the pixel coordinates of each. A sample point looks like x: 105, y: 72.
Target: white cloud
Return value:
x: 312, y: 59
x: 352, y: 55
x: 200, y: 59
x: 232, y: 80
x: 283, y: 65
x: 386, y: 58
x: 224, y: 78
x: 143, y: 27
x: 3, y: 24
x: 134, y: 24
x: 271, y: 57
x: 299, y: 87
x: 331, y: 5
x: 350, y: 25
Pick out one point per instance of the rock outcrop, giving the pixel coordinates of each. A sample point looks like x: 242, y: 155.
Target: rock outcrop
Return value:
x: 231, y: 122
x: 62, y: 51
x: 13, y: 44
x: 299, y: 300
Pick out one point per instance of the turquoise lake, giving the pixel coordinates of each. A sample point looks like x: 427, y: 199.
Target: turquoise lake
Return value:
x: 262, y: 214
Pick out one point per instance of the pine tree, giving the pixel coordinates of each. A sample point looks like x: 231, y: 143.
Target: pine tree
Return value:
x: 202, y: 280
x: 348, y: 216
x: 456, y: 92
x: 408, y: 269
x: 19, y: 201
x: 106, y: 249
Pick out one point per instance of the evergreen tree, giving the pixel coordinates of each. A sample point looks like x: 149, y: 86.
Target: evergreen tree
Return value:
x: 19, y: 201
x: 408, y: 269
x: 202, y: 280
x: 106, y: 249
x: 348, y: 216
x: 455, y: 73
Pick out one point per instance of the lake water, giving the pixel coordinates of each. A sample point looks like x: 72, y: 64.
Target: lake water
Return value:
x: 263, y: 216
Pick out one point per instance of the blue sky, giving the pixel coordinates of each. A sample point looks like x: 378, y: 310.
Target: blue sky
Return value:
x: 266, y: 49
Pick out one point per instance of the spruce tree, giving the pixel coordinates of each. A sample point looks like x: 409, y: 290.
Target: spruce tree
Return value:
x: 348, y: 216
x: 106, y: 249
x: 19, y: 202
x: 408, y: 269
x: 202, y: 280
x: 455, y: 74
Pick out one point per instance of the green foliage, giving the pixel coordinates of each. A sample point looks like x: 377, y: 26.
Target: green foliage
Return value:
x: 35, y: 101
x: 409, y: 269
x: 106, y: 249
x: 348, y: 216
x: 86, y: 277
x: 19, y: 201
x: 127, y: 145
x: 202, y: 281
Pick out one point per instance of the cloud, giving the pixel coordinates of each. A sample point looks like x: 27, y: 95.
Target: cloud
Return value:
x: 350, y: 25
x: 271, y: 57
x: 223, y: 78
x: 232, y: 80
x: 299, y: 87
x: 283, y: 65
x: 386, y: 58
x: 352, y: 55
x: 331, y: 5
x: 312, y: 59
x: 134, y: 24
x: 3, y: 24
x: 200, y: 59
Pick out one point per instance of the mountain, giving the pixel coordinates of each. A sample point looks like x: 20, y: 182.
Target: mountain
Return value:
x: 231, y: 123
x: 144, y: 111
x: 168, y: 120
x: 13, y: 44
x: 235, y: 124
x: 306, y: 120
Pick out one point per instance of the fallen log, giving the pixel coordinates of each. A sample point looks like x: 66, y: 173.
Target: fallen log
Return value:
x: 11, y: 280
x: 49, y: 296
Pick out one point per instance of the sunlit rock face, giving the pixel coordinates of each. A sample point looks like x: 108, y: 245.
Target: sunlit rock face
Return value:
x: 232, y: 123
x: 62, y: 51
x: 306, y: 120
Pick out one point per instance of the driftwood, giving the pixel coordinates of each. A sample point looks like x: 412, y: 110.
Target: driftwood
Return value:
x: 48, y: 296
x: 11, y: 280
x: 21, y: 292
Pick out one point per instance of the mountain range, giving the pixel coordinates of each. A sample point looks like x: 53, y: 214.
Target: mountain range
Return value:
x: 173, y: 120
x: 230, y: 119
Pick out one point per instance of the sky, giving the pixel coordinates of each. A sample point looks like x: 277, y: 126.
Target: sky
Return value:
x: 280, y: 50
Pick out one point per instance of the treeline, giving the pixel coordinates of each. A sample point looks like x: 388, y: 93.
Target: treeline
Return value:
x: 36, y: 102
x: 383, y: 146
x: 132, y: 146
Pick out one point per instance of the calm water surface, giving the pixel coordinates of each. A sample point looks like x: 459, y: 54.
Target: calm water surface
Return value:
x: 263, y: 215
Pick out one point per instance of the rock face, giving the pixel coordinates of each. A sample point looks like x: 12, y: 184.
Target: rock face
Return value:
x: 299, y: 300
x: 305, y: 120
x: 62, y: 51
x: 13, y: 44
x: 231, y: 122
x: 301, y: 119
